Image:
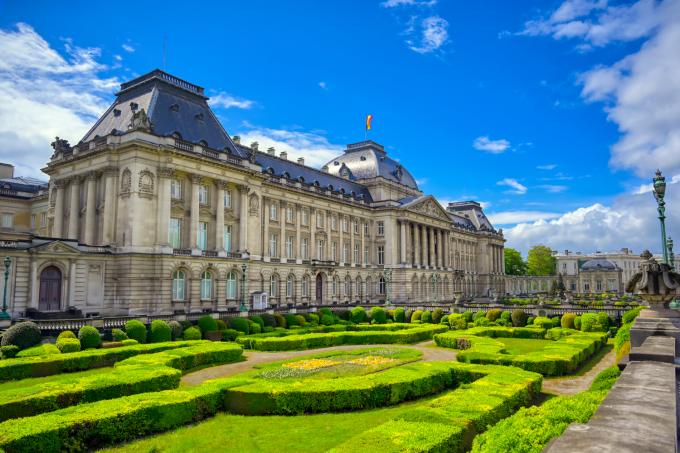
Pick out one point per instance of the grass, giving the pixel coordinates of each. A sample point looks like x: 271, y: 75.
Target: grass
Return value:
x: 517, y: 346
x: 313, y: 433
x: 25, y: 385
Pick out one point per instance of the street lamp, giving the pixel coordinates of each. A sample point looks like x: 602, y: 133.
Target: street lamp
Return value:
x: 4, y: 314
x: 659, y: 191
x: 244, y: 268
x: 388, y: 284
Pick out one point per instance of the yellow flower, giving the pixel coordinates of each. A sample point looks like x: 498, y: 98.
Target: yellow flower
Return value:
x: 311, y: 364
x: 371, y: 360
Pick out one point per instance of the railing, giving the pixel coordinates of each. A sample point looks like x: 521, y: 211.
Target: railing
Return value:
x: 211, y: 153
x: 181, y: 252
x: 183, y: 145
x: 209, y: 253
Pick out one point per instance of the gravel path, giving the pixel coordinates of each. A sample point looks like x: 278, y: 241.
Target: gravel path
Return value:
x: 257, y: 358
x: 570, y: 386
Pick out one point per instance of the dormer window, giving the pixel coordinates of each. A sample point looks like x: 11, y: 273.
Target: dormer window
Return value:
x: 362, y: 158
x: 134, y: 106
x: 330, y: 187
x: 174, y: 108
x: 316, y: 184
x: 336, y: 163
x: 116, y: 112
x: 203, y: 143
x: 301, y: 179
x: 199, y: 116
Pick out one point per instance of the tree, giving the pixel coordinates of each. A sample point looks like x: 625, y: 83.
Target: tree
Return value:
x: 514, y: 264
x: 540, y: 261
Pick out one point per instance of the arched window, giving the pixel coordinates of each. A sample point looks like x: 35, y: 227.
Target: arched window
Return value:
x: 274, y: 286
x: 290, y: 286
x: 206, y: 285
x: 360, y: 288
x: 178, y: 285
x: 231, y: 285
x: 334, y: 287
x: 381, y: 286
x: 305, y: 286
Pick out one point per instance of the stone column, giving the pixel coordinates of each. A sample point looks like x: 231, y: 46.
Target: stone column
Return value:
x: 416, y: 244
x: 219, y: 217
x: 282, y: 221
x: 433, y: 261
x: 58, y: 226
x: 298, y: 233
x: 243, y: 220
x: 402, y: 244
x: 74, y: 208
x: 423, y: 245
x: 195, y: 212
x: 362, y: 232
x: 312, y: 235
x: 91, y: 209
x: 341, y: 259
x: 164, y: 205
x: 265, y: 222
x: 327, y: 220
x: 352, y: 243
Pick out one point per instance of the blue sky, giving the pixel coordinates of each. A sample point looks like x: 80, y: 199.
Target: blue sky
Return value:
x: 551, y: 113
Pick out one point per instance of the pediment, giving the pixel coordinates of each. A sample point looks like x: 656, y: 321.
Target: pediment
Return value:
x: 429, y: 207
x: 56, y: 247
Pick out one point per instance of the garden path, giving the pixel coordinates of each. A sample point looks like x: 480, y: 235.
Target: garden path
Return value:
x: 571, y: 385
x: 257, y: 358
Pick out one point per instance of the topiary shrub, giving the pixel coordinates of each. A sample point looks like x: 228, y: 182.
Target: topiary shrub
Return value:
x: 129, y: 342
x: 543, y: 322
x: 89, y: 337
x: 291, y: 320
x: 313, y: 318
x: 11, y: 351
x: 530, y: 320
x: 230, y: 334
x: 590, y: 323
x: 116, y: 335
x: 567, y: 320
x: 23, y: 334
x: 426, y: 317
x: 493, y: 314
x: 40, y: 350
x: 66, y: 334
x: 345, y: 315
x: 221, y: 325
x: 325, y: 311
x: 399, y: 315
x: 254, y: 328
x: 457, y: 321
x: 301, y: 320
x: 507, y: 317
x: 577, y: 323
x: 467, y: 314
x: 327, y: 320
x: 176, y: 329
x: 416, y: 315
x: 437, y: 315
x: 160, y: 331
x: 269, y: 320
x: 555, y: 321
x: 280, y: 321
x: 378, y: 315
x: 519, y: 318
x: 358, y: 315
x: 240, y: 324
x: 482, y: 321
x: 192, y: 333
x: 257, y: 319
x: 207, y: 324
x: 478, y: 314
x: 135, y: 330
x: 67, y: 345
x: 603, y: 319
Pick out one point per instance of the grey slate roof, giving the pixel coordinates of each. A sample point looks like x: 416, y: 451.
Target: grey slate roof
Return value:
x: 172, y: 105
x: 598, y: 264
x: 23, y: 184
x: 368, y: 159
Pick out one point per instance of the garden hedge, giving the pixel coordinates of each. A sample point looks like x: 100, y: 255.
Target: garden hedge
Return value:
x: 138, y: 374
x: 324, y: 340
x: 570, y: 349
x: 23, y: 334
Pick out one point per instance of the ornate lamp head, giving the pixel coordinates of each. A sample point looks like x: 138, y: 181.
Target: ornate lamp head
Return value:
x: 659, y: 186
x: 8, y: 262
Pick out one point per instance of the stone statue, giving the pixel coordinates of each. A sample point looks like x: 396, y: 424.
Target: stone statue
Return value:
x: 140, y: 120
x: 60, y: 145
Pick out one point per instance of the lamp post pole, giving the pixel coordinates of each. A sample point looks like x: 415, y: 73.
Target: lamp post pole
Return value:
x: 671, y: 256
x: 4, y: 314
x: 659, y: 192
x: 244, y: 268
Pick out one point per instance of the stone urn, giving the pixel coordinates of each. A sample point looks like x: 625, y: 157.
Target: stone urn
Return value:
x: 657, y: 285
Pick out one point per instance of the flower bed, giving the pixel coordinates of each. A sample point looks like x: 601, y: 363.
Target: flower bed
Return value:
x: 567, y: 352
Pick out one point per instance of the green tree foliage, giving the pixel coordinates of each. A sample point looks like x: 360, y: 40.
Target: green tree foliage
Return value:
x: 540, y: 261
x: 514, y: 264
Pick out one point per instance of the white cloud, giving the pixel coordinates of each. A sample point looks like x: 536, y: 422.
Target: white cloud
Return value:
x: 646, y: 188
x: 514, y: 217
x: 492, y: 146
x: 433, y: 35
x: 517, y: 188
x: 227, y: 101
x: 314, y: 147
x: 421, y: 181
x: 323, y: 85
x: 118, y: 58
x: 547, y: 167
x: 552, y: 188
x: 394, y: 3
x: 128, y: 48
x: 44, y: 94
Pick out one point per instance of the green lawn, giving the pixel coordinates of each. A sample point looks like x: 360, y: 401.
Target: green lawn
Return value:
x: 303, y: 433
x: 36, y: 383
x: 518, y: 346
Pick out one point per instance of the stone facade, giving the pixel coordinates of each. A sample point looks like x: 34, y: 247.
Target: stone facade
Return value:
x: 146, y: 216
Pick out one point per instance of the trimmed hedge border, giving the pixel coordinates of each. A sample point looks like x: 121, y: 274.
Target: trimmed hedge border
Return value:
x: 494, y: 392
x: 450, y: 422
x: 570, y: 349
x: 22, y: 368
x: 139, y: 374
x: 325, y: 340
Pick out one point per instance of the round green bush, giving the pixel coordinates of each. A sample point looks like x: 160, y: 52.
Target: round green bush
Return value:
x: 67, y: 345
x: 416, y: 315
x: 444, y: 320
x: 301, y: 320
x: 280, y: 321
x: 40, y: 350
x: 530, y: 320
x: 160, y: 331
x: 577, y: 323
x: 11, y: 351
x: 327, y: 320
x: 258, y: 320
x: 176, y: 328
x: 66, y: 334
x: 493, y: 314
x: 192, y: 333
x: 378, y: 315
x: 240, y: 324
x: 467, y: 314
x: 254, y: 328
x: 555, y: 321
x: 269, y: 320
x: 129, y: 342
x: 603, y: 319
x: 207, y: 324
x: 567, y: 320
x: 457, y: 321
x: 478, y: 314
x: 399, y: 315
x: 23, y: 334
x: 313, y: 318
x: 221, y: 325
x: 482, y: 321
x: 135, y: 330
x: 506, y: 316
x: 426, y: 317
x: 543, y: 322
x: 118, y: 335
x: 230, y: 334
x: 89, y: 337
x: 291, y: 320
x: 590, y: 323
x: 358, y: 315
x: 325, y: 311
x: 437, y: 315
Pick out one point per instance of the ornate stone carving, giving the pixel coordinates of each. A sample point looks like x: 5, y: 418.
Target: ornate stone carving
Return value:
x: 429, y: 208
x: 254, y: 205
x: 146, y: 182
x: 60, y: 146
x: 197, y: 179
x: 140, y: 121
x: 126, y: 181
x: 166, y: 172
x: 222, y: 184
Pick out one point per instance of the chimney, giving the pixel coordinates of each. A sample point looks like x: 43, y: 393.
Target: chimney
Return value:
x: 254, y: 146
x: 284, y: 155
x: 236, y: 139
x: 301, y: 160
x: 6, y: 170
x: 271, y: 151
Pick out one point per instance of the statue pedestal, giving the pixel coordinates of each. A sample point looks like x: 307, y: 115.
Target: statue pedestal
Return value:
x: 659, y: 321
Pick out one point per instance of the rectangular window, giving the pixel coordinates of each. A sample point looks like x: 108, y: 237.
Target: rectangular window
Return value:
x: 381, y: 228
x: 305, y: 216
x: 319, y: 220
x: 176, y: 189
x: 227, y: 198
x: 290, y: 213
x: 345, y: 252
x: 43, y: 219
x: 612, y: 285
x: 367, y: 254
x: 381, y: 254
x: 33, y: 221
x: 289, y: 247
x: 202, y: 240
x: 304, y: 249
x: 227, y: 238
x: 7, y: 220
x: 175, y: 233
x: 203, y: 195
x: 274, y: 211
x: 598, y: 286
x: 319, y: 249
x: 355, y: 227
x: 357, y: 258
x: 290, y: 287
x: 305, y: 287
x: 366, y: 229
x: 344, y: 225
x: 334, y: 223
x: 273, y: 244
x: 334, y: 251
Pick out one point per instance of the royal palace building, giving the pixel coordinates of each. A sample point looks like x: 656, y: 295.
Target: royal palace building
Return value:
x: 158, y: 210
